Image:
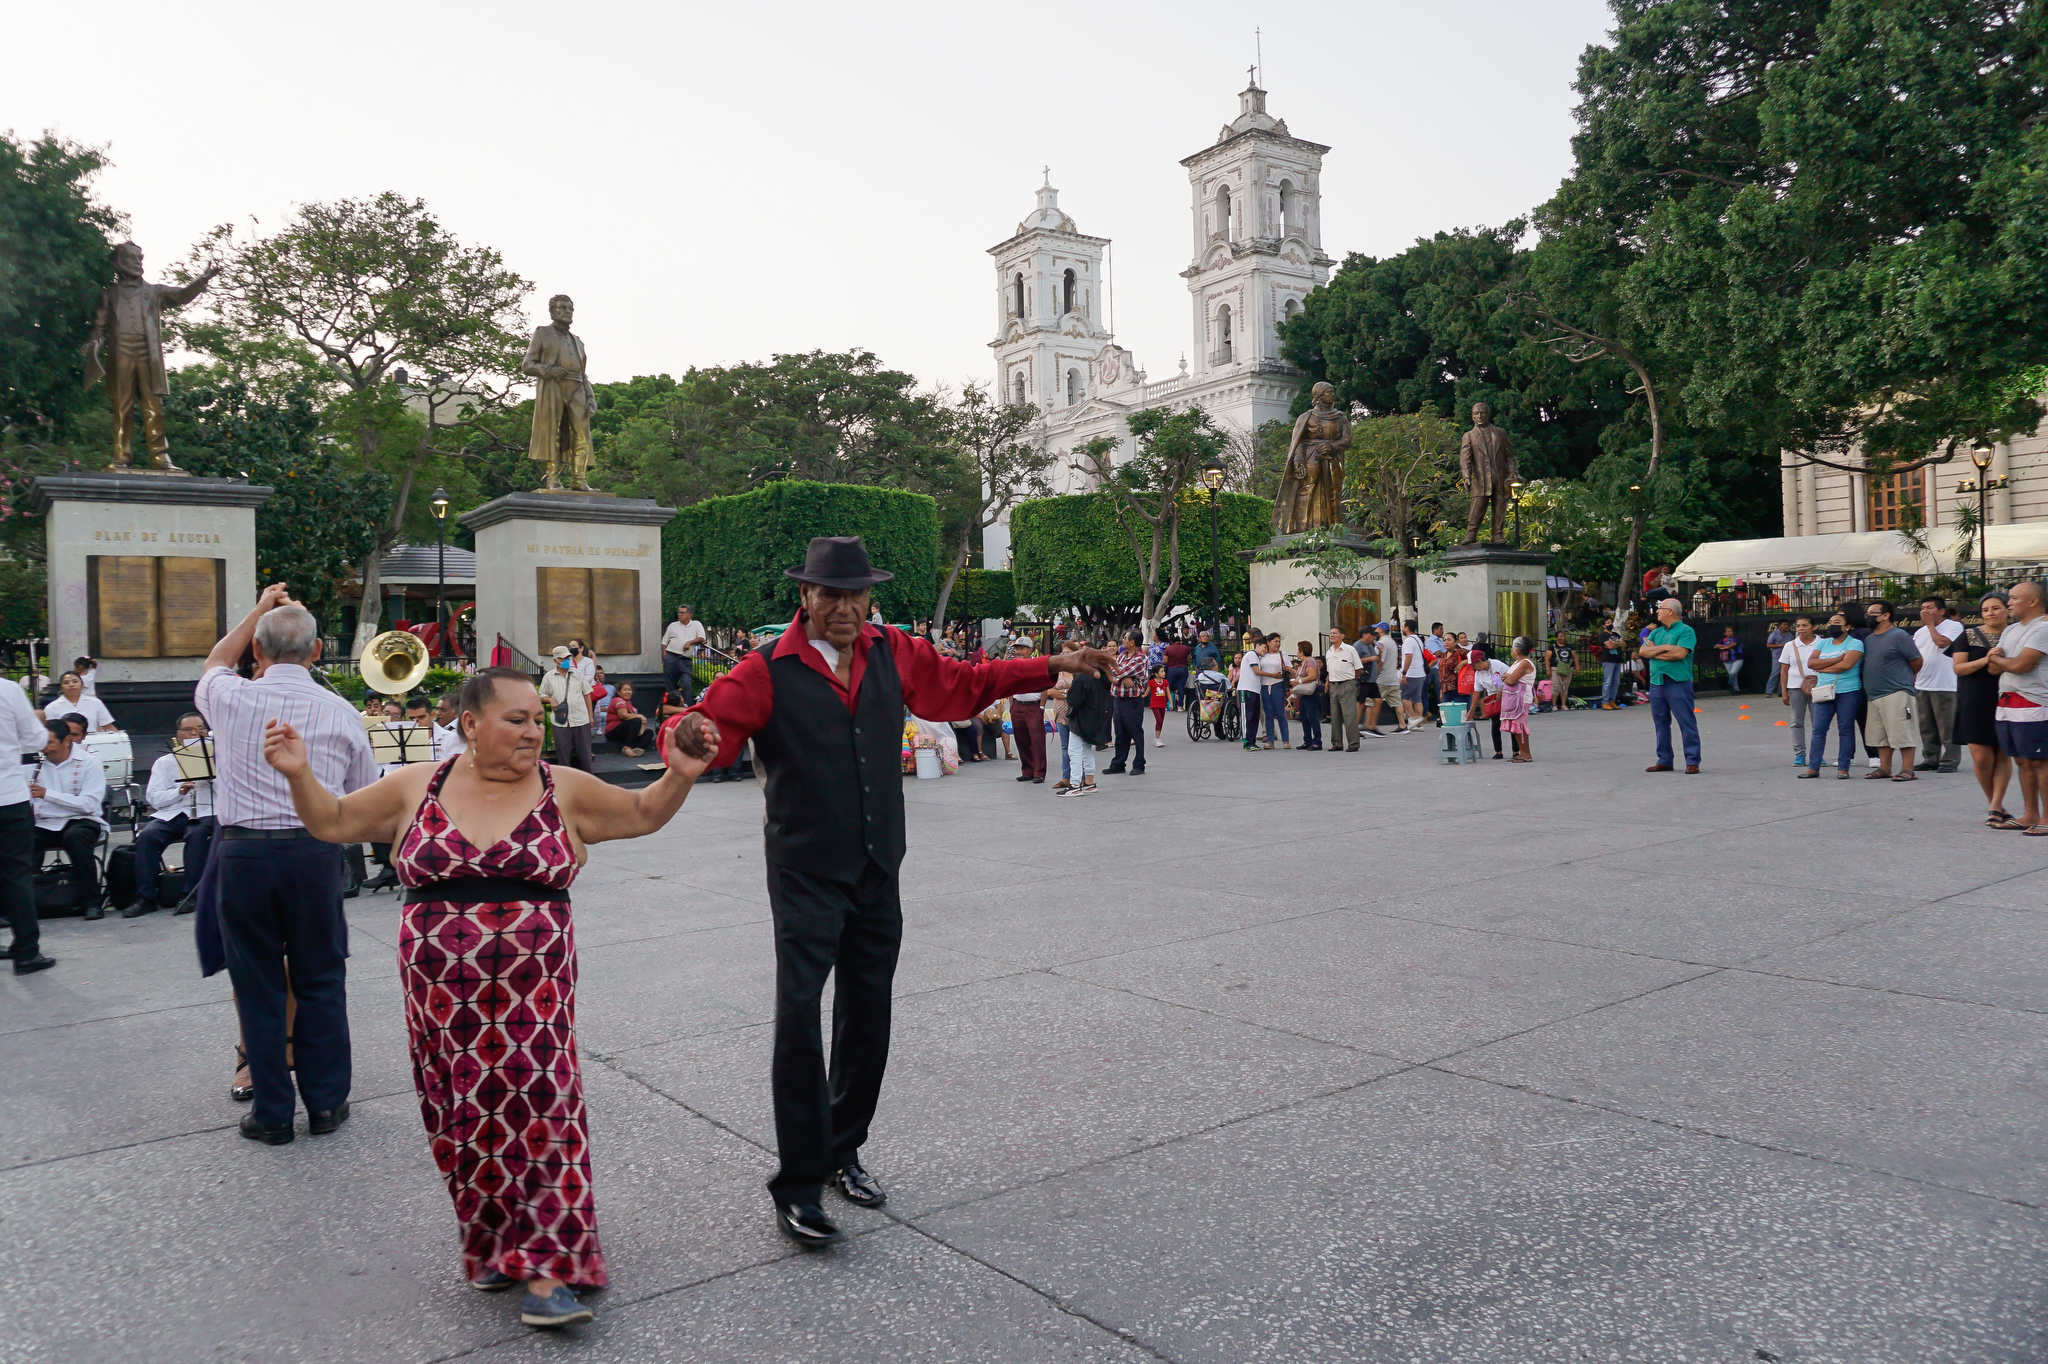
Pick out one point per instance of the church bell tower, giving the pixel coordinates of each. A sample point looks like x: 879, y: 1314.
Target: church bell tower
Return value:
x: 1050, y: 297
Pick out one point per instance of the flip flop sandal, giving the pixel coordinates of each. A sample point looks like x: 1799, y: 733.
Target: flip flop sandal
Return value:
x: 1905, y: 776
x: 1875, y: 775
x: 2004, y: 822
x: 2038, y: 831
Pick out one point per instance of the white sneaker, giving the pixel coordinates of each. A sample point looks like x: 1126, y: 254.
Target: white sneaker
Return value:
x: 1159, y: 743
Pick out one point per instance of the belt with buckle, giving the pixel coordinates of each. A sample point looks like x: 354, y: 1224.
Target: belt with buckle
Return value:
x: 234, y: 832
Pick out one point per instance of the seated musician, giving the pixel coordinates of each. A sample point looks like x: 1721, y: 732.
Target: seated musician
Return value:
x: 67, y: 788
x: 180, y: 809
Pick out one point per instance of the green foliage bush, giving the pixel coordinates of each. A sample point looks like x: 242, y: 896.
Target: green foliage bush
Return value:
x: 726, y: 555
x: 983, y: 594
x: 1070, y: 552
x: 438, y: 681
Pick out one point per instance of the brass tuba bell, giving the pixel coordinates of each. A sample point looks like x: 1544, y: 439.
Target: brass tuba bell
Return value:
x: 394, y: 662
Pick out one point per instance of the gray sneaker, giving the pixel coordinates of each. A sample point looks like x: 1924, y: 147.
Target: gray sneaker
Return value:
x: 557, y: 1309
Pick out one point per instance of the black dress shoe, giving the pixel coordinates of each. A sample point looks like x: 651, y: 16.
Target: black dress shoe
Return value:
x: 1025, y: 777
x: 138, y: 909
x: 28, y: 966
x: 188, y: 904
x: 807, y: 1225
x: 268, y: 1135
x: 326, y: 1120
x: 95, y: 911
x: 386, y: 880
x: 858, y: 1186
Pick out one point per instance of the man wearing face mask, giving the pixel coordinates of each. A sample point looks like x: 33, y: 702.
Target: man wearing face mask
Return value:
x: 567, y: 690
x: 824, y: 707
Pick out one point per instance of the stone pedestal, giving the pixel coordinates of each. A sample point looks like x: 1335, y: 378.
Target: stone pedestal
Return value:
x: 1312, y: 618
x: 1491, y: 588
x: 146, y: 570
x: 550, y: 566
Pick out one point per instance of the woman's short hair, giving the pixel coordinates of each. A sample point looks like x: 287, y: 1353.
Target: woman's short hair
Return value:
x: 482, y: 688
x: 70, y: 677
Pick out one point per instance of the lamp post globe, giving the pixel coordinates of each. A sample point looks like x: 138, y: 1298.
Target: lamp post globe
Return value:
x: 438, y: 504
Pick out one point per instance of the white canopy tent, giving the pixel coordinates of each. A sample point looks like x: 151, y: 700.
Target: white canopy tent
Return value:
x: 1862, y: 552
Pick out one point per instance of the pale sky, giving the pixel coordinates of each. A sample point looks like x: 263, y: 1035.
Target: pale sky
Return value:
x: 716, y: 184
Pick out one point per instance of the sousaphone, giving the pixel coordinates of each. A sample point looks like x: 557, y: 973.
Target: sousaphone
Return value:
x: 394, y: 662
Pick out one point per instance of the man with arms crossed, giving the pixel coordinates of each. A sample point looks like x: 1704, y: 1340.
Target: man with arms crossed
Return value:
x: 2018, y: 659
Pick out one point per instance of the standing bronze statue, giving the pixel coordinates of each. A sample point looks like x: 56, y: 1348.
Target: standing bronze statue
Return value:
x: 563, y: 402
x: 1312, y: 481
x: 1487, y: 459
x: 129, y: 312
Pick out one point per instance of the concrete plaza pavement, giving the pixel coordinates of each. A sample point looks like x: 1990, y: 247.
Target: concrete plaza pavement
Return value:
x: 1274, y: 1056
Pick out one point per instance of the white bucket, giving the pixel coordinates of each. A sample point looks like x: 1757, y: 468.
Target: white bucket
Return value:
x: 927, y: 764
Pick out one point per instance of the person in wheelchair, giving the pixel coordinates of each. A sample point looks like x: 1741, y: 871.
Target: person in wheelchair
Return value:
x: 68, y: 789
x: 178, y: 809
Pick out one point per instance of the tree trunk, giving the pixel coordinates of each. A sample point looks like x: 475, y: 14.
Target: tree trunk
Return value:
x: 1631, y: 577
x: 952, y: 577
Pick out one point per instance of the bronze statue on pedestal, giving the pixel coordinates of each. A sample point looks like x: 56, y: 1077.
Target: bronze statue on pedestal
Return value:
x: 1486, y: 457
x: 1312, y: 480
x: 563, y: 402
x: 129, y: 314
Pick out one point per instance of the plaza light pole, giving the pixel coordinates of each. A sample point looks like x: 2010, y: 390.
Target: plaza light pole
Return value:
x: 439, y: 503
x: 1980, y: 455
x: 1212, y: 479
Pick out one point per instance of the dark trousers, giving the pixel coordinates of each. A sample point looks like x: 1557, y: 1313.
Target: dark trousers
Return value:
x: 1130, y: 733
x: 1177, y: 686
x: 1027, y: 723
x: 851, y: 932
x: 572, y: 746
x: 682, y: 676
x: 1673, y: 701
x: 631, y: 732
x: 159, y: 834
x: 80, y: 840
x: 18, y: 878
x: 1311, y: 716
x: 280, y: 900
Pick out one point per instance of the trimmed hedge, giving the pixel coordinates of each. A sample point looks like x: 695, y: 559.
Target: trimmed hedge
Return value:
x: 982, y: 594
x: 726, y: 555
x: 1070, y: 552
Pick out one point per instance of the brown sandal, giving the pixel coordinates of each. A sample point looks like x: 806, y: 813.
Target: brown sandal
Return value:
x: 2002, y: 820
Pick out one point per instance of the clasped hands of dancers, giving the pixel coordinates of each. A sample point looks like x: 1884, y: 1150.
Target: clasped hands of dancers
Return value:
x: 487, y: 843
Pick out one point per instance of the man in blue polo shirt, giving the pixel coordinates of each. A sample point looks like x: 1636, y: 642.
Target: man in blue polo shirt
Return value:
x: 1669, y: 650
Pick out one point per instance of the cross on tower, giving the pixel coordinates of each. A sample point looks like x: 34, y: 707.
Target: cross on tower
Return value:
x: 1047, y: 170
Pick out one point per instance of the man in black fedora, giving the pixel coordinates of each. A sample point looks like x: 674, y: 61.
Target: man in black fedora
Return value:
x: 824, y: 706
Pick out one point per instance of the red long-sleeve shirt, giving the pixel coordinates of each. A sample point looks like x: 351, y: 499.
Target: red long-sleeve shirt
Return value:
x: 935, y: 688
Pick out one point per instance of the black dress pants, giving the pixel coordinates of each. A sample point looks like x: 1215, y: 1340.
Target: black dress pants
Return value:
x: 159, y: 834
x: 1130, y: 733
x: 280, y: 900
x: 18, y: 878
x: 80, y: 840
x: 821, y: 926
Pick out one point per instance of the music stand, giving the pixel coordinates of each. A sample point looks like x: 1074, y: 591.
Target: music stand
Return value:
x: 401, y: 742
x: 195, y: 758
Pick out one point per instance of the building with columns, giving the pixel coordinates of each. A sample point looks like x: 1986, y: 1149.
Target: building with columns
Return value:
x: 1255, y: 223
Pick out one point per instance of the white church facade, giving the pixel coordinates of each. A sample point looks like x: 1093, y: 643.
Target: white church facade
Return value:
x: 1256, y: 224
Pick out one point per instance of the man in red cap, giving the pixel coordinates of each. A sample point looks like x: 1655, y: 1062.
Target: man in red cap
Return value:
x: 824, y: 706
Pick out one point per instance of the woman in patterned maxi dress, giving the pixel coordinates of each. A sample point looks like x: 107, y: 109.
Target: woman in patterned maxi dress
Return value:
x: 488, y: 843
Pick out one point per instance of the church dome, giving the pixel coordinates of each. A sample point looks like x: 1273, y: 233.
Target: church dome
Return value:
x: 1047, y: 215
x: 1252, y: 115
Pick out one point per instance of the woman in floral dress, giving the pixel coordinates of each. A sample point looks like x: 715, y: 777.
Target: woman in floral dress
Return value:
x: 487, y: 844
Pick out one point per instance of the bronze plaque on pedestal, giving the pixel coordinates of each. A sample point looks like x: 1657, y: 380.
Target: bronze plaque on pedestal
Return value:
x: 615, y: 609
x: 121, y: 606
x: 191, y: 606
x: 564, y: 596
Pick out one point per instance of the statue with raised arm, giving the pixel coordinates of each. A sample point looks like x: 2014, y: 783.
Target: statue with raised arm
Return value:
x: 563, y: 402
x: 129, y: 315
x: 1312, y: 480
x: 1486, y: 457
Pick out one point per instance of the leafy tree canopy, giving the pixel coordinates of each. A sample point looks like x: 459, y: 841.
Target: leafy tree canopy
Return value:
x: 55, y: 257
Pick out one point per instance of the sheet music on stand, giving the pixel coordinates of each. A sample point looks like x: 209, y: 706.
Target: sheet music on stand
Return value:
x: 400, y: 742
x: 195, y: 759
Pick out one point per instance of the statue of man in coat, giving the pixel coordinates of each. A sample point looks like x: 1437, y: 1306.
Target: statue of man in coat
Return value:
x: 1486, y: 457
x: 563, y: 402
x: 129, y: 314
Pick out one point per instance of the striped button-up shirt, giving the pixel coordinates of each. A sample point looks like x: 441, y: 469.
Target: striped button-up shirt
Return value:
x: 1130, y: 674
x: 248, y: 791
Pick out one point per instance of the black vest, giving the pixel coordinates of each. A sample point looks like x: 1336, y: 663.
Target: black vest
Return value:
x: 834, y: 777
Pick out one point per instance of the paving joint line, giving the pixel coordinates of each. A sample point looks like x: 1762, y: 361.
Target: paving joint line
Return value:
x: 47, y: 1161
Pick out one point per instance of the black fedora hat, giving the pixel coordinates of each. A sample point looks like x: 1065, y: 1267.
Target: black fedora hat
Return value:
x: 839, y: 561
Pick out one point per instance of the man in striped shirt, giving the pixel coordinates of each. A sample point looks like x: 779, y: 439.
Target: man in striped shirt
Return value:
x: 279, y: 887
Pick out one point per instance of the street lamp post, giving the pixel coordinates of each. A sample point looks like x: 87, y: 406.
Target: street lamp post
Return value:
x: 1980, y: 455
x: 1212, y: 479
x: 439, y: 504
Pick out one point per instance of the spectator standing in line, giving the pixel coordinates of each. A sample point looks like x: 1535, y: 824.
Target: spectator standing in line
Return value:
x: 1669, y: 651
x: 1935, y: 687
x: 1055, y: 703
x: 1977, y: 707
x: 1414, y: 682
x: 1386, y: 666
x: 1250, y: 699
x: 1517, y: 693
x: 1729, y: 650
x: 567, y: 692
x: 1027, y: 721
x: 1178, y: 655
x: 1789, y: 676
x: 682, y: 644
x: 1341, y: 667
x: 1559, y: 661
x: 1613, y: 660
x: 1308, y: 695
x: 1890, y: 661
x: 2017, y: 659
x: 1273, y: 690
x: 1129, y: 683
x: 1774, y: 646
x: 1485, y: 680
x: 1836, y: 687
x: 21, y: 734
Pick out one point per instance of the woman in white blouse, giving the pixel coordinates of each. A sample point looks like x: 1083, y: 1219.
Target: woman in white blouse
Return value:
x: 75, y: 700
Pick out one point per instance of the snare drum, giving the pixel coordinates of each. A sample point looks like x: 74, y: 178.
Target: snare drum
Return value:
x: 116, y: 755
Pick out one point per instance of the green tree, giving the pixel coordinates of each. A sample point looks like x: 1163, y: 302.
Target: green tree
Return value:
x: 344, y: 297
x: 54, y: 259
x: 1000, y: 467
x: 324, y: 515
x: 1401, y: 486
x: 1068, y: 553
x: 1146, y: 494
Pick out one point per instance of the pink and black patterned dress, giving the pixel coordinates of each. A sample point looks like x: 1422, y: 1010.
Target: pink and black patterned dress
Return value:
x: 488, y: 960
